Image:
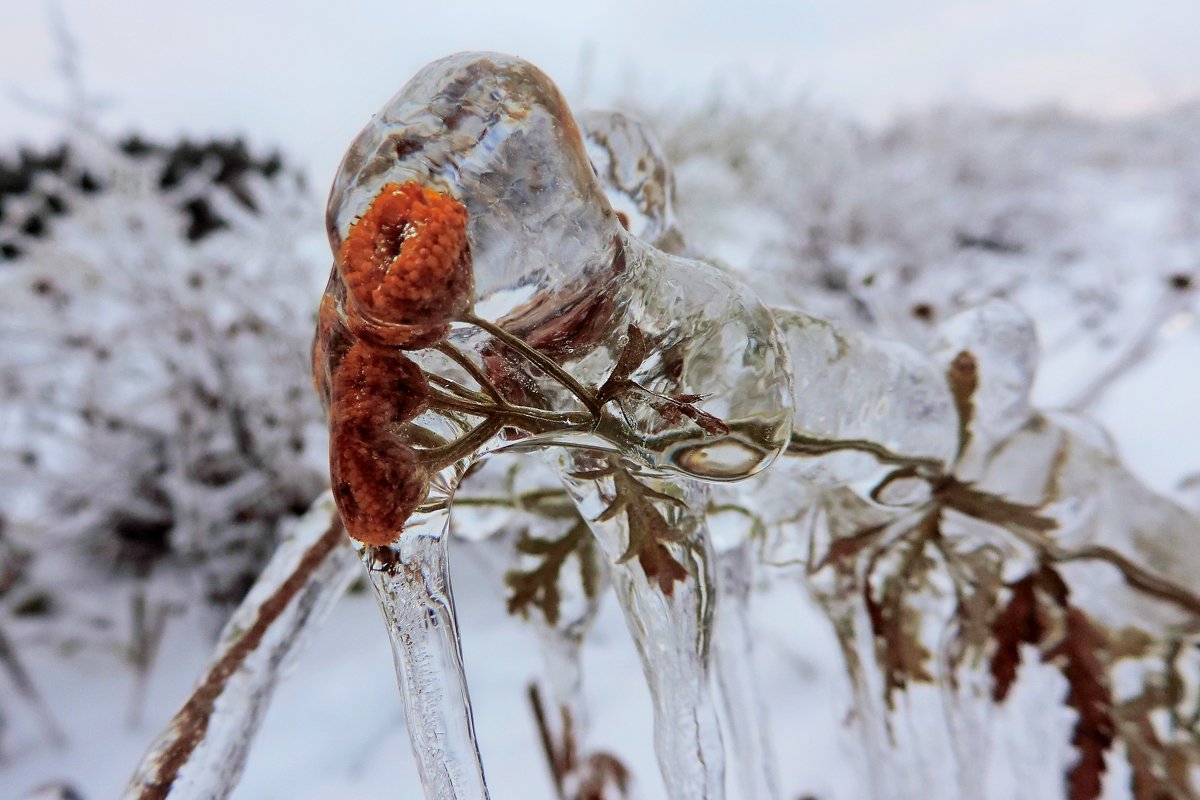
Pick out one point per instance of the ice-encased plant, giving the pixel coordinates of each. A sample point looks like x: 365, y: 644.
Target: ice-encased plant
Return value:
x: 505, y: 285
x: 486, y: 297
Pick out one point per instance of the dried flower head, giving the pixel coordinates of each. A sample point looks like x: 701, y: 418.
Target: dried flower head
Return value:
x: 378, y: 480
x: 407, y: 262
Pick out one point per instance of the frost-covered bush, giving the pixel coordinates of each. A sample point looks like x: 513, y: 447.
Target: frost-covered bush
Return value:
x: 156, y: 422
x: 1092, y: 226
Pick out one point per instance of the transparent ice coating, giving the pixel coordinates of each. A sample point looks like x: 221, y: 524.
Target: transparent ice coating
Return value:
x: 579, y: 335
x: 494, y: 133
x: 712, y: 338
x: 202, y: 752
x: 555, y: 267
x: 635, y: 176
x: 1002, y: 340
x: 1065, y: 466
x: 733, y: 649
x: 672, y: 630
x: 850, y: 387
x: 411, y: 580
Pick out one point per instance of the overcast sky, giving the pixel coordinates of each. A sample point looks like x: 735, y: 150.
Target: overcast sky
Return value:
x: 308, y: 74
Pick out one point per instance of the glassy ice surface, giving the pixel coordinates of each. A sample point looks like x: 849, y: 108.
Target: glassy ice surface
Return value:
x: 202, y: 753
x: 1063, y: 463
x: 1000, y: 339
x: 635, y: 176
x: 850, y: 387
x: 412, y: 582
x: 753, y: 764
x: 554, y: 265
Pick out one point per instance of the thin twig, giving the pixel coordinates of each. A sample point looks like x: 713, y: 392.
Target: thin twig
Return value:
x: 540, y: 360
x: 801, y: 445
x: 190, y: 723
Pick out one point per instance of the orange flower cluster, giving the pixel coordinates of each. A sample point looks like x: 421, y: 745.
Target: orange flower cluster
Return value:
x: 378, y: 480
x: 406, y: 262
x: 402, y: 274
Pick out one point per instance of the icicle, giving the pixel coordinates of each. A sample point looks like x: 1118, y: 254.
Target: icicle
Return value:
x: 668, y: 606
x: 411, y: 579
x: 201, y: 754
x: 564, y: 717
x: 733, y: 649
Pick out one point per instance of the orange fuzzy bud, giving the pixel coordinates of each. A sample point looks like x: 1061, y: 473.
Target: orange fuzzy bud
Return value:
x: 378, y: 482
x: 407, y: 262
x: 375, y: 387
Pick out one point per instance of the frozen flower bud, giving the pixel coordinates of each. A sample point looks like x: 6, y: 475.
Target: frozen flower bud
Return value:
x: 378, y: 480
x: 406, y: 262
x: 374, y: 387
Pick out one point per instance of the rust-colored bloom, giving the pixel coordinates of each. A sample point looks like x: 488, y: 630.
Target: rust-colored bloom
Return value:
x: 402, y: 275
x: 376, y: 387
x: 378, y: 480
x: 406, y: 262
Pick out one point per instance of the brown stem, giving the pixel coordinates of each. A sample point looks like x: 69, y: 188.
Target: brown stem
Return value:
x: 1135, y: 576
x: 457, y: 389
x: 440, y: 457
x: 553, y: 757
x: 463, y: 360
x: 802, y: 445
x: 540, y: 360
x: 191, y: 722
x: 539, y: 417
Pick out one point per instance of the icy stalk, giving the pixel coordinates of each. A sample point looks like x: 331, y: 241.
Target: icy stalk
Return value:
x: 202, y: 752
x: 564, y: 711
x: 411, y: 579
x: 561, y: 711
x: 733, y: 649
x: 670, y: 622
x: 960, y: 540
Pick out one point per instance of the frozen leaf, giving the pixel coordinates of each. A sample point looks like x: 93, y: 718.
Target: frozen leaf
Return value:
x: 1002, y: 345
x: 1091, y: 697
